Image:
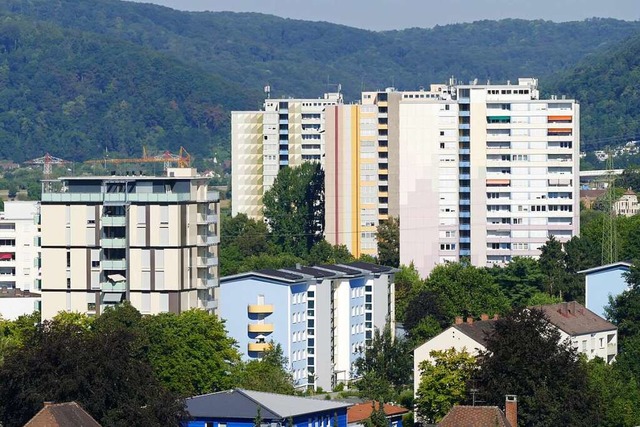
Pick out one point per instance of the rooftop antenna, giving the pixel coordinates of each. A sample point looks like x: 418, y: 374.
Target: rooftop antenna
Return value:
x: 267, y: 90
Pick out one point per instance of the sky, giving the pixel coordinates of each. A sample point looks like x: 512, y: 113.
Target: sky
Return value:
x: 399, y: 14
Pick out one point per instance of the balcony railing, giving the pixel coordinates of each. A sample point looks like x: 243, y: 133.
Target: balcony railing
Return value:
x: 258, y: 346
x: 260, y: 328
x: 260, y: 308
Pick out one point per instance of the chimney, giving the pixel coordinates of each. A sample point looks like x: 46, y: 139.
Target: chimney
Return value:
x: 458, y: 320
x: 563, y: 308
x: 47, y: 403
x: 495, y: 316
x: 470, y: 320
x: 484, y: 316
x: 511, y: 409
x: 572, y: 308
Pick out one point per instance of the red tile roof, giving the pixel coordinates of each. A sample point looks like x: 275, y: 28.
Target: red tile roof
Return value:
x: 575, y: 319
x: 474, y: 416
x: 68, y: 414
x: 362, y: 411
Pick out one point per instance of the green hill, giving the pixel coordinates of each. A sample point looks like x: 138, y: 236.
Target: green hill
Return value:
x: 607, y: 84
x: 81, y: 76
x: 76, y: 94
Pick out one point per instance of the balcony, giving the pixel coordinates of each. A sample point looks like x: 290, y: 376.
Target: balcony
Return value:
x: 211, y: 283
x: 114, y: 264
x: 258, y: 347
x: 260, y: 328
x: 612, y: 348
x: 113, y: 243
x: 260, y: 308
x: 205, y: 262
x: 211, y: 304
x: 113, y: 287
x: 114, y: 221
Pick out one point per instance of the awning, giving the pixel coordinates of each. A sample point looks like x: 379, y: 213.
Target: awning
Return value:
x: 6, y: 255
x: 116, y: 278
x: 112, y: 298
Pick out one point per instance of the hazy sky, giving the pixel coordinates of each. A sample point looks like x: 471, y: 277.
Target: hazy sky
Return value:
x: 398, y: 14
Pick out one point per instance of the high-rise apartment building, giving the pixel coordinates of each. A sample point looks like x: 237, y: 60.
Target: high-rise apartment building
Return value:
x: 151, y: 240
x: 487, y: 173
x: 362, y: 167
x: 286, y: 132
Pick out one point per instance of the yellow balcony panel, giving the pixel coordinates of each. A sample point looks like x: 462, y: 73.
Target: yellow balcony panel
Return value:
x: 382, y: 103
x: 260, y: 308
x: 383, y: 217
x: 383, y: 194
x: 258, y: 346
x: 261, y: 328
x: 383, y: 171
x: 383, y: 126
x: 383, y: 149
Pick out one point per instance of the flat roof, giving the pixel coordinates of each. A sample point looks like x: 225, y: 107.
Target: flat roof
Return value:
x: 620, y: 264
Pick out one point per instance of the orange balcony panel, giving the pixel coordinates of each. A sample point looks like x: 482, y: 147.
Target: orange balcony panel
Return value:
x: 560, y: 130
x: 560, y: 118
x: 260, y: 308
x: 258, y: 346
x: 498, y: 181
x: 260, y: 328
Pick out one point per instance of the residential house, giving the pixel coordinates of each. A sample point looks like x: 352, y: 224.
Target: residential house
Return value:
x: 321, y: 316
x: 603, y: 282
x: 68, y: 414
x: 589, y: 333
x: 240, y: 408
x: 469, y: 336
x: 359, y: 413
x: 625, y: 205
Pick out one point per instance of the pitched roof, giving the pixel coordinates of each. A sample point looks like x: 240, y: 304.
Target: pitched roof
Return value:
x: 244, y: 404
x: 477, y: 330
x: 68, y: 414
x: 362, y: 411
x: 314, y: 272
x: 592, y: 193
x: 575, y: 319
x: 474, y: 416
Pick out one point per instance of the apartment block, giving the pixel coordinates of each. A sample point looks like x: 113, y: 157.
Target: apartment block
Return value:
x: 286, y: 132
x: 150, y: 240
x: 20, y: 246
x: 322, y: 316
x: 487, y: 172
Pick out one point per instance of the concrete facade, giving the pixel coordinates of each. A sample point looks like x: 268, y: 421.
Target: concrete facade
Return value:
x: 20, y: 246
x: 151, y: 240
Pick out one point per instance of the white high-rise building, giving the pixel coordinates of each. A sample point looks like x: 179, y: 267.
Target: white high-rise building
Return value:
x: 287, y: 132
x: 487, y: 173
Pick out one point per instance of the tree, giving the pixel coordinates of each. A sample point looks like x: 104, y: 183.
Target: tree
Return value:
x: 191, y: 352
x: 13, y: 334
x: 624, y: 309
x: 405, y: 281
x: 443, y: 382
x: 377, y: 418
x: 384, y: 366
x: 465, y: 290
x: 388, y: 236
x: 524, y: 356
x: 268, y: 374
x: 104, y: 369
x: 552, y: 266
x: 616, y: 394
x: 294, y: 208
x: 520, y: 280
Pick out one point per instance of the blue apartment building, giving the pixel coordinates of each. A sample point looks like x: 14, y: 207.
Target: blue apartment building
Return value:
x: 321, y: 316
x: 603, y: 282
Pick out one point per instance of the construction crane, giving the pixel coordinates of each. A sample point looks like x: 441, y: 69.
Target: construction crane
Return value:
x: 47, y: 161
x: 182, y: 159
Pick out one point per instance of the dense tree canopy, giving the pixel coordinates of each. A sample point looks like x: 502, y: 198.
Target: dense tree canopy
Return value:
x: 524, y: 356
x: 294, y: 208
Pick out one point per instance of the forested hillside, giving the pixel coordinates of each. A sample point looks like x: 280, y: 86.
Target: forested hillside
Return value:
x: 81, y: 76
x: 78, y: 94
x: 607, y: 84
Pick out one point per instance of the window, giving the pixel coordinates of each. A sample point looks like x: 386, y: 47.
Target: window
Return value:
x: 447, y: 246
